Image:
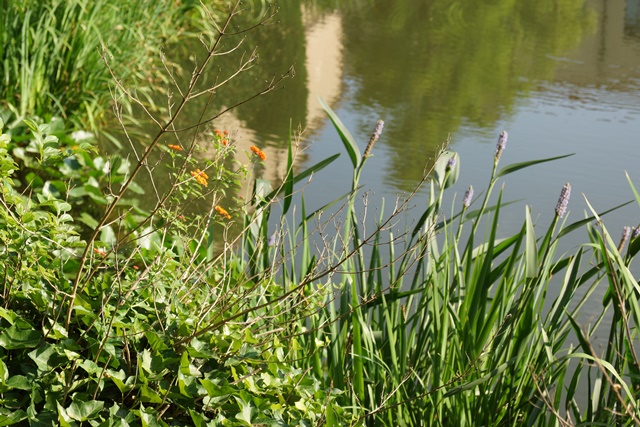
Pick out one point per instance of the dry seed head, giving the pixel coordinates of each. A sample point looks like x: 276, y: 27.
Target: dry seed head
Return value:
x: 374, y: 137
x: 626, y: 233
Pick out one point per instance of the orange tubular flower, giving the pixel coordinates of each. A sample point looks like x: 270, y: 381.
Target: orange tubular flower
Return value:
x: 258, y: 152
x: 222, y: 211
x: 200, y: 176
x: 100, y: 252
x: 175, y: 147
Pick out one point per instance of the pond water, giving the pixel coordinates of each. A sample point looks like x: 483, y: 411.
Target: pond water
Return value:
x: 560, y: 77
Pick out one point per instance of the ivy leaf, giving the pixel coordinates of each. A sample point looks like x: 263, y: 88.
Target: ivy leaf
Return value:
x: 149, y: 418
x: 245, y: 410
x: 14, y: 338
x: 83, y: 411
x: 12, y: 418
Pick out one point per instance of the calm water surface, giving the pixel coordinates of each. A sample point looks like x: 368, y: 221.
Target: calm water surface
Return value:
x: 560, y: 77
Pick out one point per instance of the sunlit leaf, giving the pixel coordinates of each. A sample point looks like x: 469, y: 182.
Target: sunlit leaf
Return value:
x: 346, y: 137
x: 84, y: 410
x: 517, y: 166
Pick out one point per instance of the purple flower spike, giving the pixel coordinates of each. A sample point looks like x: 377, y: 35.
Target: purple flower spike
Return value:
x: 502, y: 144
x: 467, y: 197
x: 451, y: 163
x: 563, y: 200
x: 272, y: 239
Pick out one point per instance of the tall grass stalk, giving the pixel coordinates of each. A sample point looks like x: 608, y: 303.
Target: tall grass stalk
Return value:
x: 51, y: 58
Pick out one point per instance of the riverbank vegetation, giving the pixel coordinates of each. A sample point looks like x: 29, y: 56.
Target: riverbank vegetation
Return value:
x: 206, y: 310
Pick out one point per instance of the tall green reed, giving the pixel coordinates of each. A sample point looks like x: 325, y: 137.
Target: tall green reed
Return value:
x: 445, y: 324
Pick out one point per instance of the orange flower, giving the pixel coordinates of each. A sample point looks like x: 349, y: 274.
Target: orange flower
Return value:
x: 100, y: 252
x: 222, y: 136
x: 222, y: 211
x: 200, y: 176
x: 258, y: 152
x: 175, y: 147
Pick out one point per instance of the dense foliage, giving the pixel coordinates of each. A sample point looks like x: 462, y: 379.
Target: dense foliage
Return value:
x: 205, y: 310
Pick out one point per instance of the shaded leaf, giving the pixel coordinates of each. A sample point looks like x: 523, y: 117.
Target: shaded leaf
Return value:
x: 14, y: 338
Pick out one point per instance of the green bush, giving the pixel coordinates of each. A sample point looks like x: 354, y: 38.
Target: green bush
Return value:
x: 156, y: 334
x: 111, y: 315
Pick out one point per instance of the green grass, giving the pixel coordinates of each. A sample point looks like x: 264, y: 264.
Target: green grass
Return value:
x: 51, y: 54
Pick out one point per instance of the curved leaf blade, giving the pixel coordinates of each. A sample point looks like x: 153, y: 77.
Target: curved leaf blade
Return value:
x: 346, y: 137
x: 517, y: 166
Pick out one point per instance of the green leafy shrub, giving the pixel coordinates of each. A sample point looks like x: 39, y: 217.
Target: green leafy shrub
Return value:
x: 158, y: 334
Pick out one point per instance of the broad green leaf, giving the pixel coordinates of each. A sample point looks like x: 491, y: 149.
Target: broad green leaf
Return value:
x: 9, y: 315
x: 148, y: 395
x: 200, y: 349
x: 47, y: 356
x: 186, y: 368
x: 346, y: 137
x: 19, y: 382
x: 14, y: 338
x: 84, y: 410
x: 246, y: 411
x: 64, y: 420
x: 150, y: 418
x: 119, y: 378
x: 12, y: 418
x: 444, y: 175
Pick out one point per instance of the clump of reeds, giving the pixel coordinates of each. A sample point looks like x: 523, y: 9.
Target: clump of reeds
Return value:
x: 438, y: 326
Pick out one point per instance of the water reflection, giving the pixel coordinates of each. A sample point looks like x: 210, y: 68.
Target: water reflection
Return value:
x: 435, y: 66
x: 429, y: 68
